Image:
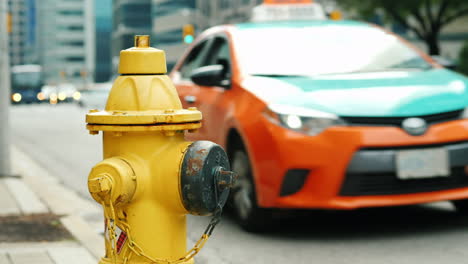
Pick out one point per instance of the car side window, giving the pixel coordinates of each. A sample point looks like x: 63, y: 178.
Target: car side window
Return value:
x: 193, y: 60
x: 219, y: 54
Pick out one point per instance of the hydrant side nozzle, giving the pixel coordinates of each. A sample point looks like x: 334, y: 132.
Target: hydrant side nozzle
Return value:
x: 204, y: 176
x: 114, y: 177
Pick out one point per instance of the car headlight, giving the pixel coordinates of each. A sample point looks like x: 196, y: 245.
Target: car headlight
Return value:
x: 62, y: 96
x: 16, y: 97
x: 464, y: 113
x: 308, y: 121
x: 40, y: 96
x: 77, y: 96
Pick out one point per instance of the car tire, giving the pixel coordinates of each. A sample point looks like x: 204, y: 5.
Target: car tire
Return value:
x: 461, y: 206
x: 243, y: 199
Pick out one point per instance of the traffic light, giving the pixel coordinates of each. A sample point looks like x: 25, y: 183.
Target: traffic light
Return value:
x: 188, y: 33
x: 9, y: 23
x: 336, y: 15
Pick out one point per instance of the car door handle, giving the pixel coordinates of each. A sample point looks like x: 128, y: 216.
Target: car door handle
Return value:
x: 190, y: 99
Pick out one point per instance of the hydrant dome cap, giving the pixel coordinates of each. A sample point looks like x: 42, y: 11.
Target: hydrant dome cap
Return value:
x: 146, y: 60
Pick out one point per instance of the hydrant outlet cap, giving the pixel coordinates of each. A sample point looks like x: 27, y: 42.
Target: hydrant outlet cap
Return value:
x: 202, y: 163
x: 142, y: 59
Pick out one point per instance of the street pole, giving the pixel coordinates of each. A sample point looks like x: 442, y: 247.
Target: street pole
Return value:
x: 5, y: 162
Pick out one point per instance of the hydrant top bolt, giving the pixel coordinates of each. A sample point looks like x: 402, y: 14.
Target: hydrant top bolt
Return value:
x: 93, y: 111
x: 169, y: 111
x: 192, y: 108
x: 142, y: 41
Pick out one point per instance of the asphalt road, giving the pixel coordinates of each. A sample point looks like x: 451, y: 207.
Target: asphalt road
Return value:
x: 56, y: 137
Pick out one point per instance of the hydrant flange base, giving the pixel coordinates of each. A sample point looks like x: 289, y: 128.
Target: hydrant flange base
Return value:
x: 144, y: 117
x: 143, y: 128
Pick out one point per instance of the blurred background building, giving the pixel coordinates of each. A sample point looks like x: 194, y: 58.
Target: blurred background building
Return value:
x: 103, y: 12
x: 170, y: 16
x: 79, y: 41
x: 66, y: 40
x: 130, y: 17
x: 22, y: 40
x: 168, y: 19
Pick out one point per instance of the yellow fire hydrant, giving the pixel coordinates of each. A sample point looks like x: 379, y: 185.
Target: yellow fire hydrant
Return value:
x: 151, y: 177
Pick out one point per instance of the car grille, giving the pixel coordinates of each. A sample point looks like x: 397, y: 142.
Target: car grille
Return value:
x: 388, y: 183
x: 396, y: 121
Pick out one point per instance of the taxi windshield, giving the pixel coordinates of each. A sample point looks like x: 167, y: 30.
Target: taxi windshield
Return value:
x: 320, y: 50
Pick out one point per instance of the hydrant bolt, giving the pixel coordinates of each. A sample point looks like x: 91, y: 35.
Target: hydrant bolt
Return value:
x: 100, y: 185
x: 224, y: 178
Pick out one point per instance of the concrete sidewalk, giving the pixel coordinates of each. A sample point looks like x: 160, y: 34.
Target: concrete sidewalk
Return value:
x: 30, y: 191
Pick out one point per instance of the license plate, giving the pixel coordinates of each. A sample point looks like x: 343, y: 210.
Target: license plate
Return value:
x: 422, y: 163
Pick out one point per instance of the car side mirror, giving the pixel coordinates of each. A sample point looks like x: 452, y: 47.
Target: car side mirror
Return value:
x: 447, y: 63
x: 211, y: 75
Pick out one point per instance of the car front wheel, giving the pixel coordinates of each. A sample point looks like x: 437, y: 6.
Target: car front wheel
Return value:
x: 461, y: 206
x: 250, y: 217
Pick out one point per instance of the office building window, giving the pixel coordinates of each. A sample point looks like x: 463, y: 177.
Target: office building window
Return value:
x: 74, y: 59
x: 71, y: 12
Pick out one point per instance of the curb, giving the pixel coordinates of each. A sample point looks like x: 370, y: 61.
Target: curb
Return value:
x: 61, y: 201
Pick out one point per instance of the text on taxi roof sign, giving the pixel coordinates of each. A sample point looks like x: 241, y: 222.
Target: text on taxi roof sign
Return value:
x: 287, y: 11
x: 287, y: 1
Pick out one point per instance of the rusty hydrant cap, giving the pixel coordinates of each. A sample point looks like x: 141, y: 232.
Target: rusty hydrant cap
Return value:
x: 201, y: 185
x: 142, y: 59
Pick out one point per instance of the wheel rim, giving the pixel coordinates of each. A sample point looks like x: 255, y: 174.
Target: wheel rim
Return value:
x: 243, y: 188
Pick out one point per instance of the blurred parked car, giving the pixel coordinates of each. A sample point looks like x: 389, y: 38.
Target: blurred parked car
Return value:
x: 64, y: 92
x: 48, y: 93
x: 67, y: 92
x: 327, y: 114
x: 96, y: 97
x: 26, y: 83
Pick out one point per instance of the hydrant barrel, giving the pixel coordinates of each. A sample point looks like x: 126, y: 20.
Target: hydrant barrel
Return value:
x: 151, y: 177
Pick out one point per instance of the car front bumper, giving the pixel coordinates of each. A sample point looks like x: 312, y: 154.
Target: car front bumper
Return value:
x: 352, y: 167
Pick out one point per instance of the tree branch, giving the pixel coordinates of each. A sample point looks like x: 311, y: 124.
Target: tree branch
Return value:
x: 429, y: 14
x: 416, y: 13
x: 458, y: 14
x: 442, y: 8
x: 403, y: 22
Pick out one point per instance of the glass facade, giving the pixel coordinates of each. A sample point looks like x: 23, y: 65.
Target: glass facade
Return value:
x: 103, y: 12
x: 169, y: 17
x: 130, y: 17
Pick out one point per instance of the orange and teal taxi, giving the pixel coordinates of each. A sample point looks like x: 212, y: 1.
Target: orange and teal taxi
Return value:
x: 327, y: 114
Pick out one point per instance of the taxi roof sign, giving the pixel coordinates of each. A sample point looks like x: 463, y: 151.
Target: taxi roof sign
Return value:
x: 287, y: 1
x: 278, y: 10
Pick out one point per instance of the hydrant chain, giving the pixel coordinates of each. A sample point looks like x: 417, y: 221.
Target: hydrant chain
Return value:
x: 109, y: 211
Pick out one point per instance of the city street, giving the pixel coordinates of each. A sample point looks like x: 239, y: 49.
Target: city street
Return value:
x: 55, y: 137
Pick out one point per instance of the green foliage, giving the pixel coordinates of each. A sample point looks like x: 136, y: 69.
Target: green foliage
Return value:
x: 463, y: 60
x: 425, y: 18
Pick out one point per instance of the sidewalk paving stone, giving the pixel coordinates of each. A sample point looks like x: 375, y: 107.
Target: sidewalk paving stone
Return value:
x: 35, y: 192
x: 27, y: 200
x: 44, y: 253
x: 8, y: 204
